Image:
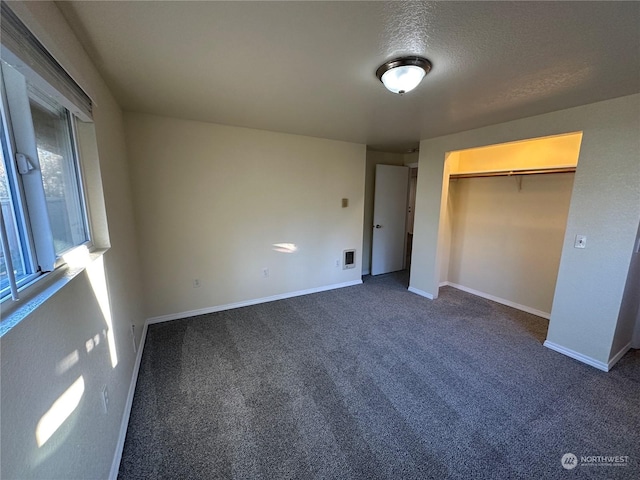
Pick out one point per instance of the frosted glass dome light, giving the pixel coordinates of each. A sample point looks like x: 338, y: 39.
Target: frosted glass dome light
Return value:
x: 402, y: 79
x: 403, y: 74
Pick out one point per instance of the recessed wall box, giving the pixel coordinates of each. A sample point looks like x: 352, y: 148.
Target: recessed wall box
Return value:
x: 349, y: 259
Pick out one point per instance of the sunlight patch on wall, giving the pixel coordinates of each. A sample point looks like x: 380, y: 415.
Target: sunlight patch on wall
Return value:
x: 92, y: 342
x: 98, y: 280
x: 67, y: 362
x: 285, y: 247
x: 81, y: 258
x: 59, y: 411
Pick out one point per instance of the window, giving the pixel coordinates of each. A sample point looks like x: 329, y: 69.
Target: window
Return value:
x: 60, y: 175
x: 16, y: 262
x: 44, y: 211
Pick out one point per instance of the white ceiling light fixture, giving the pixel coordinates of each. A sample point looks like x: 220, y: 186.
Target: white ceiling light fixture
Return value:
x: 401, y: 75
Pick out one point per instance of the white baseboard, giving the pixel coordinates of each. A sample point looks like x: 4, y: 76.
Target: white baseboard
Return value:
x: 619, y: 355
x: 503, y: 301
x: 444, y: 284
x: 246, y: 303
x: 422, y: 293
x: 577, y: 356
x: 117, y: 457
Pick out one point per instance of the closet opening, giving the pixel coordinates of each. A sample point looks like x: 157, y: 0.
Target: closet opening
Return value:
x: 505, y: 219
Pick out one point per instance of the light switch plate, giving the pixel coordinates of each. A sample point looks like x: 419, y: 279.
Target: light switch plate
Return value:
x: 581, y: 241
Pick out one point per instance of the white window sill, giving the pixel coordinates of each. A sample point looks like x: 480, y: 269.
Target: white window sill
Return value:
x: 43, y: 288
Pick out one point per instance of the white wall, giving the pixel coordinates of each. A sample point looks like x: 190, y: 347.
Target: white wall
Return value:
x: 410, y: 158
x: 635, y: 340
x: 605, y: 206
x: 506, y: 242
x: 628, y: 330
x: 35, y: 352
x: 213, y: 200
x: 373, y: 158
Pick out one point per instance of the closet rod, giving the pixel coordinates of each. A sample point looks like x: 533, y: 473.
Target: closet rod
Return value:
x: 509, y: 173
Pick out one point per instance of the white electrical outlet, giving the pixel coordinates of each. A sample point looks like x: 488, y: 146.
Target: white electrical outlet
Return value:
x: 265, y: 273
x: 338, y: 263
x: 196, y: 283
x: 105, y: 399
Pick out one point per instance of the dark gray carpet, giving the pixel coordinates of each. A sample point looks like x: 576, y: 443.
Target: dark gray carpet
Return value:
x: 374, y: 382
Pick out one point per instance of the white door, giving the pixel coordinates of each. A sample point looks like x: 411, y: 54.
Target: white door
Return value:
x: 389, y: 217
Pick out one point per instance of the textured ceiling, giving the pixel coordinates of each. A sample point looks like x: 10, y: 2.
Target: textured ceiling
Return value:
x: 309, y: 67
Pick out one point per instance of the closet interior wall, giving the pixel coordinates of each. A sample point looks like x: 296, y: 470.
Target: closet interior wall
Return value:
x: 507, y: 234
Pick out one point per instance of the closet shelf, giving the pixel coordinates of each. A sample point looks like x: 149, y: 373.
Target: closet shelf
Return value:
x: 510, y: 173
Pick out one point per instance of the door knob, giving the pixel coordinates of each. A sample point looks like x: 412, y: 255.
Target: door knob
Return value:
x: 378, y: 226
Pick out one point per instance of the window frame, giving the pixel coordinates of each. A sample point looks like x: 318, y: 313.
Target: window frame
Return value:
x: 17, y: 201
x: 27, y: 67
x: 76, y: 165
